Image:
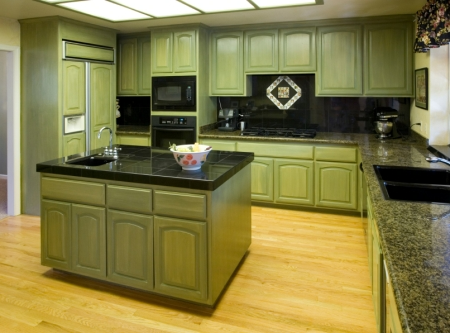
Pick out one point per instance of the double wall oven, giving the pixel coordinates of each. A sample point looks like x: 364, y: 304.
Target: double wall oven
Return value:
x: 167, y: 130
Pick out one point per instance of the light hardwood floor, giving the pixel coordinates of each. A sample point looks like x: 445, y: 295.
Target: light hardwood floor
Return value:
x: 305, y: 272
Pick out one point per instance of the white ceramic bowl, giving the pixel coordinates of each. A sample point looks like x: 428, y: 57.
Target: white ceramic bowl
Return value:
x: 191, y: 160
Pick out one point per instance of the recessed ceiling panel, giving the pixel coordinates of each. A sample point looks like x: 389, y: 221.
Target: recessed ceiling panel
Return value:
x: 163, y: 8
x: 209, y: 6
x: 282, y: 3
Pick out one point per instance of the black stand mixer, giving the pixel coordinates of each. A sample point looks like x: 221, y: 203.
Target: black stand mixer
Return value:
x: 384, y: 123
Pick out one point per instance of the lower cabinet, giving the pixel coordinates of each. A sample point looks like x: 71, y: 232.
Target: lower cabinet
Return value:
x: 262, y: 179
x: 130, y: 249
x: 294, y: 181
x: 393, y: 324
x: 133, y: 140
x: 181, y: 258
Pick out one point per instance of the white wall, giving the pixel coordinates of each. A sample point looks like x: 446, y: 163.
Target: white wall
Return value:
x: 3, y: 110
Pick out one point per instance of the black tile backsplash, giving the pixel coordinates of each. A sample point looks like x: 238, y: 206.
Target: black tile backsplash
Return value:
x: 134, y: 110
x: 325, y: 114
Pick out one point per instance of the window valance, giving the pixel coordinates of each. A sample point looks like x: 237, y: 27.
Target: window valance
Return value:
x: 433, y: 25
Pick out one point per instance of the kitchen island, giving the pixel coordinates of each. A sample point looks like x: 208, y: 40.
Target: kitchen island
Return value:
x: 142, y: 222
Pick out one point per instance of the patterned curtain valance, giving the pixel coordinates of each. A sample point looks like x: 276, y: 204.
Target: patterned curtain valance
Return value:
x: 433, y: 25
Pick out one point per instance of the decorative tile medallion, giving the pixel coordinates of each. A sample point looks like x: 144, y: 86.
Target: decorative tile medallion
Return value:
x: 283, y: 92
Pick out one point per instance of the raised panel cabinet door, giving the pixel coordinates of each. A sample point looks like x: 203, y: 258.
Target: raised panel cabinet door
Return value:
x: 74, y: 87
x: 127, y: 67
x: 144, y: 66
x: 377, y: 281
x: 388, y: 60
x: 102, y: 102
x: 336, y: 185
x: 339, y: 71
x: 161, y: 48
x: 74, y: 144
x: 133, y: 140
x: 294, y: 181
x: 184, y: 52
x: 181, y: 258
x: 227, y: 69
x: 55, y: 234
x: 262, y: 179
x: 393, y: 324
x: 130, y: 249
x: 298, y: 50
x: 89, y: 240
x: 261, y: 51
x: 220, y: 145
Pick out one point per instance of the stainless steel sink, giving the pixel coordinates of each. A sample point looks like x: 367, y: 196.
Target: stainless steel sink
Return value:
x: 414, y: 184
x: 92, y: 160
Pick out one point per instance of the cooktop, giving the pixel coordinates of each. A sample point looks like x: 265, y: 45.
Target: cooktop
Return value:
x: 279, y: 132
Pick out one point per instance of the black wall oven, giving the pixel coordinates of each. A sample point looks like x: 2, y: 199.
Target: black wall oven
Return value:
x: 167, y: 130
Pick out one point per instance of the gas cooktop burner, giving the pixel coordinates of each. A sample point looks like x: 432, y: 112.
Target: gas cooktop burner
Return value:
x: 279, y: 132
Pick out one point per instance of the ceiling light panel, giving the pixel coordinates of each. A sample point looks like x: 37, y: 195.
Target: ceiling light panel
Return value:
x: 104, y: 9
x: 282, y: 3
x: 162, y: 8
x: 209, y: 6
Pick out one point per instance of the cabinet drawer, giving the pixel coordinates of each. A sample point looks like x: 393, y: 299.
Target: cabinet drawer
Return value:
x: 278, y: 150
x: 187, y: 205
x: 338, y: 154
x: 73, y: 191
x: 130, y: 199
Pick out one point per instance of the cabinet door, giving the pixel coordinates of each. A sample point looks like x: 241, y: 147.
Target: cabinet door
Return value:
x: 127, y: 67
x: 336, y: 185
x: 388, y: 60
x: 144, y: 66
x: 184, y: 52
x: 162, y: 52
x: 298, y: 50
x: 377, y: 281
x: 55, y: 234
x: 180, y: 258
x: 261, y: 51
x: 133, y: 140
x: 74, y: 144
x: 340, y: 61
x: 294, y: 181
x: 262, y: 179
x: 74, y: 87
x: 393, y: 324
x: 102, y: 102
x: 130, y: 249
x: 89, y: 240
x: 220, y: 144
x: 227, y: 70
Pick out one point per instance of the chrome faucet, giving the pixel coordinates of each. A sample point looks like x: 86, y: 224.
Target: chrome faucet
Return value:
x: 110, y: 150
x: 437, y: 159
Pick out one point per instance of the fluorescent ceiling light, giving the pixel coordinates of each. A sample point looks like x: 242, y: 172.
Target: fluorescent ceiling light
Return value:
x: 161, y: 8
x: 282, y: 3
x: 209, y: 6
x: 104, y: 9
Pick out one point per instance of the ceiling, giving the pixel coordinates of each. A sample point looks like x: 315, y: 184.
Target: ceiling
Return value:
x: 22, y: 9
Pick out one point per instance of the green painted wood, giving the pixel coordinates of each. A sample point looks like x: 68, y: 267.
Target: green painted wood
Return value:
x: 134, y: 140
x: 179, y: 204
x: 131, y: 199
x: 185, y: 51
x: 130, y: 249
x: 336, y: 154
x: 127, y: 71
x: 86, y: 33
x: 181, y: 258
x: 74, y: 87
x: 287, y: 150
x: 220, y: 144
x: 88, y: 239
x: 388, y: 59
x: 294, y: 181
x: 377, y: 282
x: 144, y: 66
x: 55, y: 234
x: 262, y: 179
x: 89, y: 52
x: 298, y: 50
x: 336, y: 185
x: 73, y: 191
x: 74, y: 144
x: 261, y: 51
x: 339, y: 71
x: 161, y: 48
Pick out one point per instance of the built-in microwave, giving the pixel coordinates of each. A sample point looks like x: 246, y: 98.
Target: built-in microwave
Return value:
x: 173, y: 93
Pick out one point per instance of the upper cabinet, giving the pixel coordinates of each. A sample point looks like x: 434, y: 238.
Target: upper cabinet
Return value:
x: 174, y: 52
x: 388, y: 59
x: 261, y: 51
x: 339, y: 70
x: 133, y: 65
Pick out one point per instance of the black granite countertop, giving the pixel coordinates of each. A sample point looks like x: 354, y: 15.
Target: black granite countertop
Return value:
x: 415, y: 237
x: 147, y: 165
x: 133, y: 130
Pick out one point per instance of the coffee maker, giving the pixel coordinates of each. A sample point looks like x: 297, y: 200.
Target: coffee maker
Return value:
x: 384, y: 123
x: 228, y: 119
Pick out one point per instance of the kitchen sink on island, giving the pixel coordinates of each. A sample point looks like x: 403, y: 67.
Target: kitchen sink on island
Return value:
x: 142, y: 222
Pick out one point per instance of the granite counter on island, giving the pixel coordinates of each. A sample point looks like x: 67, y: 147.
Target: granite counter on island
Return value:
x: 142, y: 222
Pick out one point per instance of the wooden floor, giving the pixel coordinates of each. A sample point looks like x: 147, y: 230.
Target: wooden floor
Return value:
x: 305, y: 272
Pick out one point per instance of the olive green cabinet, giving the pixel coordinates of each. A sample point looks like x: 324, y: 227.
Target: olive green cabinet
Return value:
x: 227, y: 76
x: 393, y: 324
x: 297, y: 50
x: 133, y: 139
x: 339, y: 54
x: 261, y: 51
x: 388, y: 59
x: 174, y: 52
x: 133, y: 65
x: 262, y: 179
x: 219, y: 144
x: 74, y: 144
x: 181, y: 258
x: 74, y: 87
x: 130, y: 249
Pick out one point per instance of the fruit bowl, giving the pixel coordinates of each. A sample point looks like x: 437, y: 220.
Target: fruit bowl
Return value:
x: 190, y: 157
